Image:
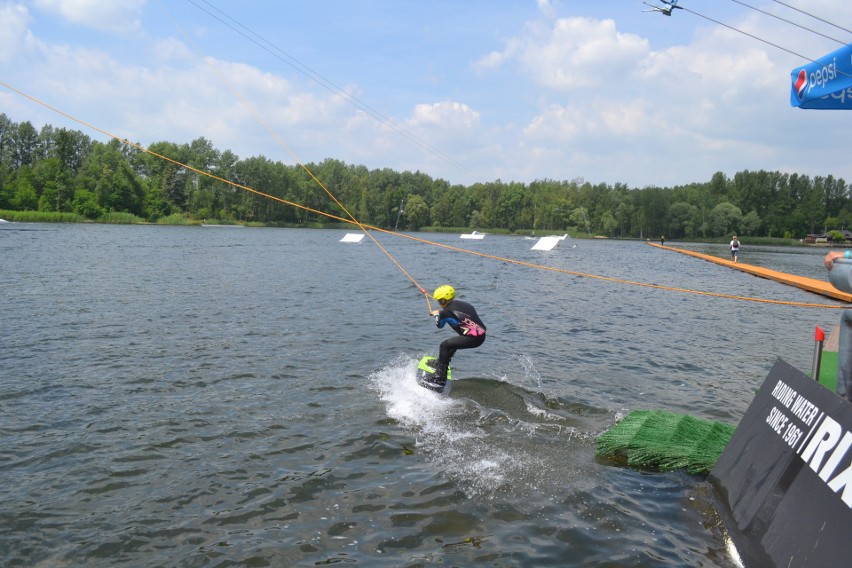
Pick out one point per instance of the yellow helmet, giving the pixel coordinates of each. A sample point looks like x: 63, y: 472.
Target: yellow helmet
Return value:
x: 444, y: 293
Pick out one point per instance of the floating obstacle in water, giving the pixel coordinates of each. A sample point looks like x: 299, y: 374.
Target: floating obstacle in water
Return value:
x: 352, y: 238
x: 474, y: 235
x: 548, y: 243
x: 665, y: 441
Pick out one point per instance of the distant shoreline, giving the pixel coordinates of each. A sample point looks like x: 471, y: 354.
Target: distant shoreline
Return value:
x: 177, y: 220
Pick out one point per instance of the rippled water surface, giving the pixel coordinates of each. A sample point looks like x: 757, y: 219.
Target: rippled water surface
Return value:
x: 177, y: 396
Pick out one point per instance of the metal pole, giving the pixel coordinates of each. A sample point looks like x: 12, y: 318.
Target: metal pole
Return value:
x: 819, y: 337
x: 398, y: 213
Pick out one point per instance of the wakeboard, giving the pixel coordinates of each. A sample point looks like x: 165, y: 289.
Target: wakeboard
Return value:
x: 426, y: 376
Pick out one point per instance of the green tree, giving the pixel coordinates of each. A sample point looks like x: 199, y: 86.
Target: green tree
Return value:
x: 23, y: 195
x: 108, y: 175
x: 653, y: 206
x: 463, y: 203
x: 52, y: 185
x: 682, y: 220
x: 271, y: 178
x: 609, y: 223
x: 750, y: 224
x: 442, y: 208
x: 63, y: 170
x: 166, y: 179
x: 224, y: 193
x: 86, y: 203
x: 201, y: 190
x: 511, y: 206
x: 25, y: 145
x: 624, y: 215
x: 718, y: 187
x: 71, y: 148
x: 753, y: 191
x: 812, y: 205
x: 725, y: 218
x: 835, y: 236
x: 836, y: 194
x: 7, y: 144
x: 416, y: 213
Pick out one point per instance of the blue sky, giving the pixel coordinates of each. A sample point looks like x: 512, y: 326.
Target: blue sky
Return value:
x: 465, y: 91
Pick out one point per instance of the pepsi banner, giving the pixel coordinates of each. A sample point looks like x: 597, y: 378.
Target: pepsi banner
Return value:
x: 783, y: 485
x: 824, y: 84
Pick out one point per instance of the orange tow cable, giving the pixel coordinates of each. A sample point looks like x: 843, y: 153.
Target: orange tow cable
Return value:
x: 287, y: 148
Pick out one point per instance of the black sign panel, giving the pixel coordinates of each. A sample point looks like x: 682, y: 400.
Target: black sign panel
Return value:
x: 784, y: 482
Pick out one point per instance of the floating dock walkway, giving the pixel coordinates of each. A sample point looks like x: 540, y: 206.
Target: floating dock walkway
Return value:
x: 823, y: 288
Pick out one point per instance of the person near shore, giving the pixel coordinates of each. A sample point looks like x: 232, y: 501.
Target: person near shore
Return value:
x: 464, y: 320
x: 735, y: 249
x: 662, y: 240
x: 833, y: 255
x: 844, y: 350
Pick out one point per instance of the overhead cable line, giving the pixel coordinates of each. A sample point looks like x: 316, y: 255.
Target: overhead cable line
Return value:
x: 760, y: 39
x: 813, y: 16
x: 792, y: 23
x: 369, y: 228
x: 745, y: 33
x: 287, y: 148
x: 305, y: 70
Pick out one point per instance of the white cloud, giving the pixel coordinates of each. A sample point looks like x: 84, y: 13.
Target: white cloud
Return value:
x: 448, y: 114
x: 234, y: 105
x: 608, y: 101
x: 170, y: 49
x: 579, y: 52
x: 492, y: 60
x: 547, y: 8
x: 14, y: 31
x: 115, y: 16
x: 558, y: 124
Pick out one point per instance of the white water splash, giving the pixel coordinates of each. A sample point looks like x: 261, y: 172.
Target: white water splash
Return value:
x: 408, y: 402
x: 449, y: 432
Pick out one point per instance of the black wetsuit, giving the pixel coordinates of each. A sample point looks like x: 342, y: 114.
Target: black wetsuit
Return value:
x: 463, y: 318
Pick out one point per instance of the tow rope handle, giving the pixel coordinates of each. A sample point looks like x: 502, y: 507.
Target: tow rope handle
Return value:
x: 428, y: 301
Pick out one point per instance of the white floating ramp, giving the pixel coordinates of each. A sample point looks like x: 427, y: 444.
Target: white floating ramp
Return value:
x: 473, y: 235
x: 352, y: 238
x: 547, y: 243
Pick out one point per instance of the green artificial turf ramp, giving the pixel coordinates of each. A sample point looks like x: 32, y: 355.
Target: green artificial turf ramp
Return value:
x: 828, y: 370
x: 656, y: 439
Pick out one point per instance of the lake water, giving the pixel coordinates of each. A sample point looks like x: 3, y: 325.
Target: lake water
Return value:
x: 198, y: 396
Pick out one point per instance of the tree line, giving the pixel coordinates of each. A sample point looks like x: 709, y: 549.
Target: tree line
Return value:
x: 61, y: 170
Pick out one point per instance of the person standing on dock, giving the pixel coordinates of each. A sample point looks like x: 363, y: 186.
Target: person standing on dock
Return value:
x: 735, y: 249
x: 662, y: 240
